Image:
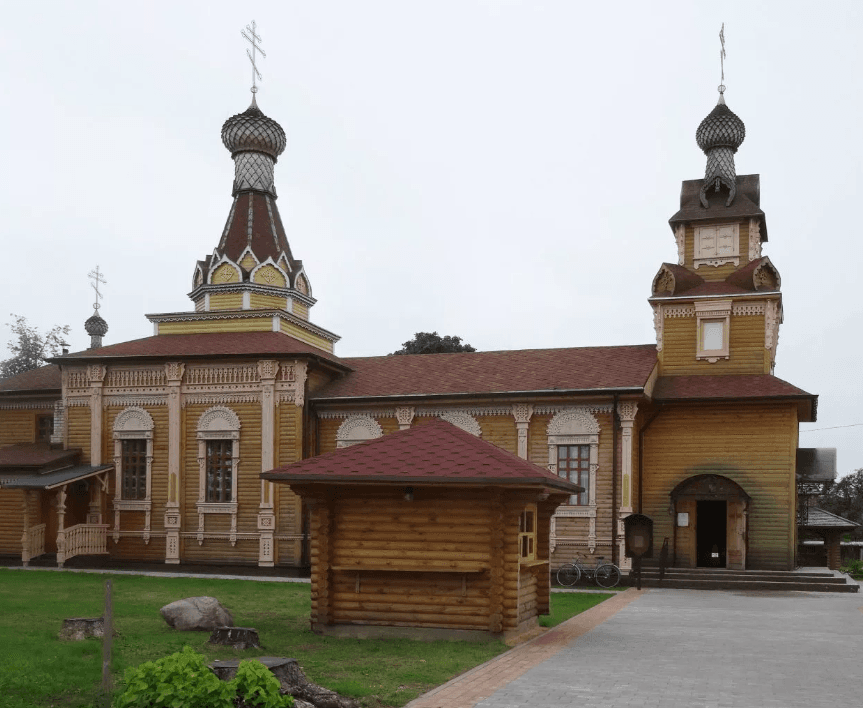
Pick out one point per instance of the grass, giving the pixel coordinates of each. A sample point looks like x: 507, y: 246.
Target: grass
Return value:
x: 38, y: 670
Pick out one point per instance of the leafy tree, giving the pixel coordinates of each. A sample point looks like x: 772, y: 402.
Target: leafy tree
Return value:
x: 845, y: 498
x: 30, y: 348
x: 433, y: 343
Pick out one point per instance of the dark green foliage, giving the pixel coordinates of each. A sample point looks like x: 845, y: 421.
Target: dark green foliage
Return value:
x: 433, y: 343
x: 845, y: 498
x: 183, y: 680
x: 30, y: 348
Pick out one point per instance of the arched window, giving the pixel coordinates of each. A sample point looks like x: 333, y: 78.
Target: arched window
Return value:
x: 356, y: 429
x: 218, y: 462
x: 133, y: 465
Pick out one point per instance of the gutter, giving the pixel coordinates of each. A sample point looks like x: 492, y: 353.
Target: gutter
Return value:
x: 484, y: 394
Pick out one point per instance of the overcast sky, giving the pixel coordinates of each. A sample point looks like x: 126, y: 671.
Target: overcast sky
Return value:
x: 501, y: 171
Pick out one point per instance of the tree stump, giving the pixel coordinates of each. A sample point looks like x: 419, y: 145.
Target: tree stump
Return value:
x: 237, y: 637
x: 292, y: 680
x: 76, y: 629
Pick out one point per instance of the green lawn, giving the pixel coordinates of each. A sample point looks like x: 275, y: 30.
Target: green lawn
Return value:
x: 36, y: 669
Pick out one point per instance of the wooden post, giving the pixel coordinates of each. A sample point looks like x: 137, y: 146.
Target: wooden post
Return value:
x: 107, y: 639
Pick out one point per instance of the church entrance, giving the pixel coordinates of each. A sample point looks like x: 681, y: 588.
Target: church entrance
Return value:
x: 710, y: 515
x: 711, y: 521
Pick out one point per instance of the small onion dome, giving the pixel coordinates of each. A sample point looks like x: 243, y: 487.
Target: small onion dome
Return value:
x: 252, y: 131
x: 721, y: 128
x: 96, y: 326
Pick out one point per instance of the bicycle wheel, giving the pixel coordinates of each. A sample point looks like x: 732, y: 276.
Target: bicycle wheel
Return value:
x: 607, y: 576
x: 568, y: 574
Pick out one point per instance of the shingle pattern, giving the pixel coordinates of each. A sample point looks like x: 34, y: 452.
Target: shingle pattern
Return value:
x: 33, y: 455
x: 746, y: 203
x: 45, y: 378
x: 495, y: 372
x: 434, y: 452
x: 264, y: 242
x: 674, y: 388
x: 206, y: 345
x: 820, y: 519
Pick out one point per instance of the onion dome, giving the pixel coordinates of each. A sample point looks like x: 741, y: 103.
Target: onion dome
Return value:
x: 252, y: 131
x: 719, y: 135
x: 97, y: 328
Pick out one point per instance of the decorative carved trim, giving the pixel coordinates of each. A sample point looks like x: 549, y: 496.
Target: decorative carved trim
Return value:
x: 590, y: 407
x: 766, y: 276
x: 356, y: 429
x: 772, y: 320
x: 747, y: 308
x: 135, y: 378
x: 220, y: 398
x: 680, y: 238
x: 77, y: 402
x: 405, y: 416
x: 627, y: 410
x: 436, y: 412
x: 463, y: 420
x: 285, y: 397
x: 223, y: 375
x: 657, y: 326
x: 371, y: 413
x: 663, y: 282
x: 77, y: 378
x: 573, y: 421
x: 133, y: 420
x: 216, y: 421
x: 575, y: 426
x: 174, y: 371
x: 267, y: 368
x: 678, y: 311
x: 38, y: 406
x: 110, y: 401
x: 96, y: 373
x: 522, y: 412
x: 754, y: 239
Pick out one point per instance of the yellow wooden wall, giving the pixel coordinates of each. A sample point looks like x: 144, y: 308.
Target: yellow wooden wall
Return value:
x: 226, y: 301
x: 261, y: 301
x: 746, y: 347
x: 12, y: 520
x: 754, y: 446
x: 19, y: 426
x: 250, y: 324
x: 289, y: 427
x: 78, y: 426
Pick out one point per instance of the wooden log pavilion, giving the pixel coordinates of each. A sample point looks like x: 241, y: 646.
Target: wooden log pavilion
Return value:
x: 428, y: 533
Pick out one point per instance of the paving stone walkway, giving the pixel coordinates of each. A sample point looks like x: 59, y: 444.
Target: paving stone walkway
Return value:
x: 680, y: 648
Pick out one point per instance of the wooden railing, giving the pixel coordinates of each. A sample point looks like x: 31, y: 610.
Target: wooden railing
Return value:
x: 81, y: 540
x: 32, y: 543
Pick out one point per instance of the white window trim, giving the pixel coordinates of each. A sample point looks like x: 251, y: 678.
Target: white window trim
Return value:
x: 132, y: 423
x: 576, y: 426
x: 217, y: 423
x: 701, y: 258
x: 713, y: 311
x: 356, y: 429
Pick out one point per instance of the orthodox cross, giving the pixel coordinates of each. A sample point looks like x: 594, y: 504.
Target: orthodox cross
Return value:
x: 97, y: 279
x: 722, y: 57
x: 253, y: 38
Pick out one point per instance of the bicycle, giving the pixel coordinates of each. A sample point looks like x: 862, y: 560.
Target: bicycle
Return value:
x: 606, y: 575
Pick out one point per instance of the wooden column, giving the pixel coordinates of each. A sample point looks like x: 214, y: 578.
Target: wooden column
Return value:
x: 626, y: 410
x: 522, y: 413
x: 25, y: 535
x: 321, y: 578
x: 174, y: 373
x: 497, y: 558
x: 96, y: 375
x: 267, y: 370
x: 61, y: 526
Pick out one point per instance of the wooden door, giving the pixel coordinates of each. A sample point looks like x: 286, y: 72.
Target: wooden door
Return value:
x: 736, y: 534
x: 685, y: 550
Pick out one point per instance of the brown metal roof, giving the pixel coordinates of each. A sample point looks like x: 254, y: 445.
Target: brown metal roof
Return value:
x: 526, y: 370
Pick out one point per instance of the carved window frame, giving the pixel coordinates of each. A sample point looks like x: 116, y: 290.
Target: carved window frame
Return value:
x: 575, y: 426
x: 527, y: 521
x: 217, y: 423
x: 713, y: 312
x: 703, y: 255
x: 132, y: 423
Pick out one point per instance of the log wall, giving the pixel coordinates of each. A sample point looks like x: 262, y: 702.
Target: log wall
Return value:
x: 745, y: 344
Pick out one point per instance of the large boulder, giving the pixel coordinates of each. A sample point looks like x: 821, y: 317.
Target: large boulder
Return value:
x: 197, y: 614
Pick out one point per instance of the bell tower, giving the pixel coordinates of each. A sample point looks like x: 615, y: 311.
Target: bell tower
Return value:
x: 717, y: 310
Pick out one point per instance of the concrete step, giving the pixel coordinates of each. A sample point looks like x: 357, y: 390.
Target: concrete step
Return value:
x: 745, y: 575
x: 736, y: 584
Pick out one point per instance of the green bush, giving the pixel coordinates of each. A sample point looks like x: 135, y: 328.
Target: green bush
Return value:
x: 853, y: 567
x: 183, y: 680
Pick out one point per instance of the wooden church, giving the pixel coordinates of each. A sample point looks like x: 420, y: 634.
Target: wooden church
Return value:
x: 154, y: 449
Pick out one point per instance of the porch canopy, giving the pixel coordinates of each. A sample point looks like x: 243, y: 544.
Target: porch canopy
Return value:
x: 37, y: 466
x: 830, y: 527
x: 427, y: 532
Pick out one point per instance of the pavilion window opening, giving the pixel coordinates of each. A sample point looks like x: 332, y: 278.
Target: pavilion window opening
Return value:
x: 573, y: 464
x: 527, y: 534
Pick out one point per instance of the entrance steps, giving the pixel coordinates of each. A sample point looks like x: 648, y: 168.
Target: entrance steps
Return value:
x: 722, y: 579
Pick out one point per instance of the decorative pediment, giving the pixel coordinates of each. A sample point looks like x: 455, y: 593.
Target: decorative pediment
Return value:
x: 269, y: 274
x: 574, y: 421
x: 766, y: 277
x: 663, y: 283
x: 356, y: 429
x: 218, y: 421
x: 462, y: 420
x: 133, y: 420
x: 225, y: 272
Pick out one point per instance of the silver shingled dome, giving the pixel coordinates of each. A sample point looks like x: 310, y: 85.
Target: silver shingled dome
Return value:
x: 252, y: 131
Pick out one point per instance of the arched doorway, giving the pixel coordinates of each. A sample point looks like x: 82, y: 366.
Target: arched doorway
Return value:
x: 710, y: 522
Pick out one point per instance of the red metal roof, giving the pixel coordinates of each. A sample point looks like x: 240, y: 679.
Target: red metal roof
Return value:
x: 431, y: 453
x: 212, y: 344
x: 45, y: 378
x: 537, y: 370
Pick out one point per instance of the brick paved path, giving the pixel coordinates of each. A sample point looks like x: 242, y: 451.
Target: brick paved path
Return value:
x: 682, y: 649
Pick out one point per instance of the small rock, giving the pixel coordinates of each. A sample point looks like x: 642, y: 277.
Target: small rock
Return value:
x: 197, y: 614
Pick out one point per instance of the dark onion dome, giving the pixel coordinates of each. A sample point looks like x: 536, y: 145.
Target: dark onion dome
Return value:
x: 96, y: 326
x: 252, y: 131
x: 721, y: 128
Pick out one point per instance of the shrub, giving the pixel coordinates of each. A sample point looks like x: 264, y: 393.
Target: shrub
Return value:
x: 183, y: 680
x: 853, y: 567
